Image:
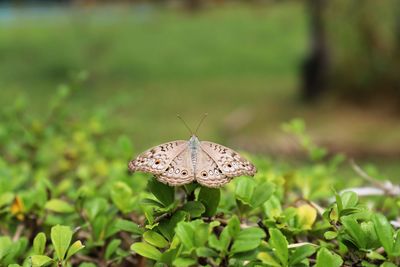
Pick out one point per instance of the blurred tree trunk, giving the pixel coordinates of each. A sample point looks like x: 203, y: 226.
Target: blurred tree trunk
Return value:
x: 315, y: 66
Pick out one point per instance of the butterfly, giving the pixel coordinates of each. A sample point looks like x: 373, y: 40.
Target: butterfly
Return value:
x: 181, y: 162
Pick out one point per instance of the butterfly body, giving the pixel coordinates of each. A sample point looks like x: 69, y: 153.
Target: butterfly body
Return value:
x: 181, y: 162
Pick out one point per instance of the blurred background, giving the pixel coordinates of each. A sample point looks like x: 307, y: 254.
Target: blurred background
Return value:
x: 251, y: 65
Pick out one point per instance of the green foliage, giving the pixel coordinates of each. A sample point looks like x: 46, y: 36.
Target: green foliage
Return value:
x: 66, y: 199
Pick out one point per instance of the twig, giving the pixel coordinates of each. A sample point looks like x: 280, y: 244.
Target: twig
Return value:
x: 18, y: 232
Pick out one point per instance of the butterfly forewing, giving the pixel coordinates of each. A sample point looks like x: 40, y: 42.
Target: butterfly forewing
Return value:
x: 228, y: 161
x: 157, y: 159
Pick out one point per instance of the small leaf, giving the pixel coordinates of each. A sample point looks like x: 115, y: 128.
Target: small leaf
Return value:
x: 330, y: 235
x: 194, y: 208
x: 58, y: 205
x: 279, y: 243
x: 167, y: 226
x: 244, y: 189
x: 146, y: 250
x: 206, y: 252
x: 325, y: 258
x: 122, y: 196
x: 301, y: 253
x: 155, y: 239
x: 373, y: 255
x: 74, y: 248
x: 388, y: 264
x: 184, y: 262
x: 185, y: 233
x: 262, y: 192
x: 349, y: 199
x: 384, y: 231
x: 353, y: 228
x: 247, y: 239
x: 39, y: 244
x: 61, y: 238
x: 164, y: 193
x: 40, y: 260
x: 210, y: 198
x: 128, y: 226
x: 111, y: 248
x: 307, y: 215
x: 234, y: 226
x: 267, y: 259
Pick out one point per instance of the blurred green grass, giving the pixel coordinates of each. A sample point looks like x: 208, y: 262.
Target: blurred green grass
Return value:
x: 145, y: 64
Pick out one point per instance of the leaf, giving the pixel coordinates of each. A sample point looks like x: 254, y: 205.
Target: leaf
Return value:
x: 61, y: 238
x: 39, y: 244
x: 349, y: 199
x: 111, y: 248
x: 58, y: 205
x: 325, y: 258
x: 307, y: 215
x: 262, y: 192
x: 272, y: 207
x: 301, y: 253
x: 184, y: 262
x: 155, y: 239
x: 234, y: 226
x: 373, y: 255
x: 244, y: 189
x: 5, y: 246
x: 164, y: 193
x: 222, y: 243
x: 206, y: 252
x: 396, y: 246
x: 40, y: 260
x: 267, y: 259
x: 146, y: 250
x: 384, y: 231
x: 185, y: 233
x: 247, y: 239
x: 167, y: 226
x: 194, y: 208
x: 74, y: 248
x: 353, y: 228
x: 122, y: 196
x: 210, y: 198
x: 330, y: 235
x: 280, y: 245
x: 388, y: 264
x: 128, y: 226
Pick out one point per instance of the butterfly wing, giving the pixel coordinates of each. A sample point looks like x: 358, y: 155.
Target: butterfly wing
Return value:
x: 207, y: 171
x: 179, y: 171
x: 228, y: 161
x: 157, y: 159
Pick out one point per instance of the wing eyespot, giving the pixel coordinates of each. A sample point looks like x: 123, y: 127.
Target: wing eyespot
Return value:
x: 204, y: 174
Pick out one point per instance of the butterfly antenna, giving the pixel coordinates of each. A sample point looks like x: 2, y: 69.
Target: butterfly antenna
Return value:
x: 187, y: 127
x: 201, y: 121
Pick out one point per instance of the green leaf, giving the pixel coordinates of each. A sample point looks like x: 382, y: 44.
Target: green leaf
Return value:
x: 234, y: 226
x: 330, y: 235
x: 194, y: 208
x: 111, y: 248
x: 128, y: 226
x: 222, y: 243
x: 262, y: 193
x: 373, y: 255
x: 74, y: 248
x: 353, y: 228
x: 384, y: 231
x: 5, y: 246
x: 244, y: 189
x: 306, y: 216
x: 247, y: 239
x: 184, y: 262
x: 146, y: 250
x: 185, y: 233
x: 272, y: 207
x: 267, y: 259
x: 39, y: 244
x: 325, y: 258
x: 388, y: 264
x: 349, y: 199
x: 155, y: 239
x: 164, y: 193
x: 210, y: 198
x: 40, y: 260
x: 280, y: 245
x: 206, y: 252
x: 122, y: 196
x: 58, y: 205
x: 396, y: 246
x: 301, y: 253
x: 61, y: 238
x: 167, y: 226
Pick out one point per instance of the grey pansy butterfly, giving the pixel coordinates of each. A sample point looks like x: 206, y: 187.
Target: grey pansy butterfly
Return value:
x: 181, y: 162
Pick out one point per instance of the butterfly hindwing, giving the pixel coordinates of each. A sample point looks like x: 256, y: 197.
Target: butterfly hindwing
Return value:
x: 228, y: 161
x: 207, y: 171
x: 179, y: 171
x: 156, y: 159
